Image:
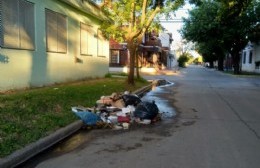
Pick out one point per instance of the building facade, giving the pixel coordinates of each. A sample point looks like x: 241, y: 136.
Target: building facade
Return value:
x: 169, y: 56
x: 153, y: 53
x: 119, y: 56
x: 250, y: 58
x: 50, y: 41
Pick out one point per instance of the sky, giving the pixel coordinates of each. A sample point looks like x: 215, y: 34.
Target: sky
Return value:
x: 175, y: 24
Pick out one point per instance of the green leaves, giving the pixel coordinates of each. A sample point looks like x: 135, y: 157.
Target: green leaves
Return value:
x: 120, y: 13
x: 183, y: 59
x: 221, y: 26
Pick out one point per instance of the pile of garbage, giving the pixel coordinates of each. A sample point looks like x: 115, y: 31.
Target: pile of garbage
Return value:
x: 118, y: 111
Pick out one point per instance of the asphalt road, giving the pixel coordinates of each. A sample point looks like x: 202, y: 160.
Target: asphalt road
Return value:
x: 218, y: 126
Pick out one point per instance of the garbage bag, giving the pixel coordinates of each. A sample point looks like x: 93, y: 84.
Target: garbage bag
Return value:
x: 146, y: 110
x: 87, y: 117
x: 131, y: 99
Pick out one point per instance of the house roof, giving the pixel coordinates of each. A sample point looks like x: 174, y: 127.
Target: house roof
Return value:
x: 114, y: 45
x: 88, y: 7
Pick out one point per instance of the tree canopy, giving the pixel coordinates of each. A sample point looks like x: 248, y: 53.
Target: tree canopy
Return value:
x: 223, y: 26
x: 130, y: 19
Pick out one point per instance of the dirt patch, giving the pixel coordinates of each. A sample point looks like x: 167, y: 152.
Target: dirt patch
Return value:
x: 188, y: 123
x: 146, y: 139
x: 119, y: 148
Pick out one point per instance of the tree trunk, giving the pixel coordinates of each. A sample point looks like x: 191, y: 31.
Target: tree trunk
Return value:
x: 220, y: 63
x: 137, y: 64
x: 132, y: 63
x: 211, y: 64
x: 236, y: 63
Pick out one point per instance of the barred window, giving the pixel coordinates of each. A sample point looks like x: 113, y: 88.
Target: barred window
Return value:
x: 114, y: 57
x: 86, y: 39
x: 250, y: 57
x: 244, y: 57
x: 17, y: 25
x: 56, y: 32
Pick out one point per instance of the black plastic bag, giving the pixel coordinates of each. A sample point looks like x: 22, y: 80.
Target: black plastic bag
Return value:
x: 131, y: 99
x: 146, y: 110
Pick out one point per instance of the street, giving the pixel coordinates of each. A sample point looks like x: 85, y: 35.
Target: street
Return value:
x: 217, y: 126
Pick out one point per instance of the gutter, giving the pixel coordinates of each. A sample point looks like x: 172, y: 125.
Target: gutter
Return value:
x: 35, y: 148
x: 87, y: 7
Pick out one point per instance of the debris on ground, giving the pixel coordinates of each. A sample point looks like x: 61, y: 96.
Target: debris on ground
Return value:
x: 118, y: 111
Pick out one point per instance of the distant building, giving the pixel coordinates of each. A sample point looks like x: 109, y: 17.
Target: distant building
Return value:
x: 119, y: 56
x: 168, y: 55
x: 149, y: 54
x: 250, y: 58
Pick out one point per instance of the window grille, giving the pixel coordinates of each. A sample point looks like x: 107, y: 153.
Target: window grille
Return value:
x: 244, y: 58
x: 250, y: 57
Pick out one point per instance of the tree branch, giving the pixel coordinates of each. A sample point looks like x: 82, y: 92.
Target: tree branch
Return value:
x: 150, y: 19
x: 144, y: 9
x: 148, y: 23
x: 132, y: 23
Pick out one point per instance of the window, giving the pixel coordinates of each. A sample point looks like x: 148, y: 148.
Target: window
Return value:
x: 101, y: 44
x: 56, y: 32
x: 86, y: 39
x: 257, y: 65
x: 244, y: 58
x: 250, y: 57
x: 114, y: 57
x: 17, y: 28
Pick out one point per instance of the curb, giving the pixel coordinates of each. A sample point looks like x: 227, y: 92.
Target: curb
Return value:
x: 35, y: 148
x: 142, y: 91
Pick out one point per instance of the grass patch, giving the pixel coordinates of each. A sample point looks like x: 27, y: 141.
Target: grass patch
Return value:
x: 141, y: 80
x: 27, y: 116
x: 119, y: 74
x: 108, y: 75
x: 244, y: 74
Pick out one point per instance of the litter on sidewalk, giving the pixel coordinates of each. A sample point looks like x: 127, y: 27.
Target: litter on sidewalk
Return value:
x: 118, y: 111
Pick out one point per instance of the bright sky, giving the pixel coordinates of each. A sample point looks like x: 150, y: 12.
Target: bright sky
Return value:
x: 175, y: 24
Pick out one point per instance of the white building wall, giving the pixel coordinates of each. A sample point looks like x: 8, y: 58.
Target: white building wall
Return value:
x: 172, y: 61
x: 250, y: 63
x: 257, y: 53
x: 257, y: 58
x: 165, y: 39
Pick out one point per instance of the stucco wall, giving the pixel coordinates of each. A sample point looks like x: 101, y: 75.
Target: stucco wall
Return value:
x: 257, y: 53
x: 245, y: 58
x: 24, y: 68
x: 165, y: 39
